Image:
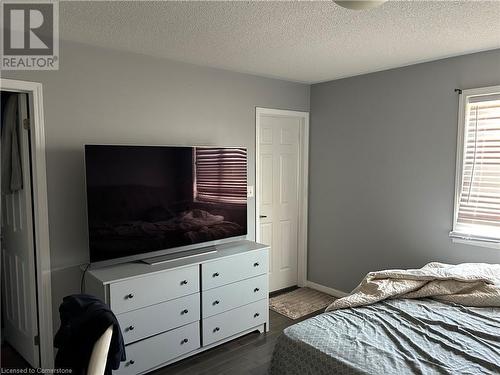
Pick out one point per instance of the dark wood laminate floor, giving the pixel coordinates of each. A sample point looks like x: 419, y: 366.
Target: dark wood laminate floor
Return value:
x: 11, y: 359
x: 250, y: 354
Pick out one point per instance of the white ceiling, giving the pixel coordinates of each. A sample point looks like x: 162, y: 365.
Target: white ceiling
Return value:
x: 299, y: 41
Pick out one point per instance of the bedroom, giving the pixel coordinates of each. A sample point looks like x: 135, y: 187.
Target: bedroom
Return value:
x: 378, y: 85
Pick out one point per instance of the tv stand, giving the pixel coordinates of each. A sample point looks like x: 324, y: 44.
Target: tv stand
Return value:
x: 179, y: 255
x: 175, y: 309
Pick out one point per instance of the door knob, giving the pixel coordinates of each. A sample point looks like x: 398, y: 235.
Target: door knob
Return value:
x: 262, y: 216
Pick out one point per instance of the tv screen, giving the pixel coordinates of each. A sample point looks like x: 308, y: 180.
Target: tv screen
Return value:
x: 145, y: 201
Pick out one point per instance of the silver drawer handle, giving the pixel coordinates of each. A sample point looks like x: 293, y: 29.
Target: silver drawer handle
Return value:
x: 256, y: 264
x: 216, y: 302
x: 185, y: 311
x: 185, y: 341
x: 131, y: 362
x: 184, y: 282
x: 256, y: 290
x: 216, y: 329
x: 215, y: 274
x: 130, y: 328
x: 129, y: 296
x: 256, y: 315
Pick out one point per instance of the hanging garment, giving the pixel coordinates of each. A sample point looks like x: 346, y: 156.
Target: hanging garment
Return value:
x: 12, y: 175
x: 84, y: 318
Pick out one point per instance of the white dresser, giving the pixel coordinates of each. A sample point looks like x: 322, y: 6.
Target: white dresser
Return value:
x: 173, y: 310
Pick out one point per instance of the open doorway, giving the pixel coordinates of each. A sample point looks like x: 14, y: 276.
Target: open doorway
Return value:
x: 26, y: 308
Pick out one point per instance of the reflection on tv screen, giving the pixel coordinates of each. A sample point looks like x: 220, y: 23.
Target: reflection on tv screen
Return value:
x: 143, y: 199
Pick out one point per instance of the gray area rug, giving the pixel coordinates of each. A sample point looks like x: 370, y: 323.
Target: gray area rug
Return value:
x: 300, y: 302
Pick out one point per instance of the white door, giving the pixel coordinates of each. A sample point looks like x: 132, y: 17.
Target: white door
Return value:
x: 278, y: 200
x: 18, y: 257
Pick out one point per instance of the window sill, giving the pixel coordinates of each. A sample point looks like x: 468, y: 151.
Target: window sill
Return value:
x: 236, y: 205
x: 476, y: 242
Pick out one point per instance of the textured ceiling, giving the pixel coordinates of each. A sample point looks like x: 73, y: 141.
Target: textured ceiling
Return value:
x: 300, y: 41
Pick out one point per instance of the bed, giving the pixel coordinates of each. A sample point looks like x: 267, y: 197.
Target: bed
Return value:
x: 400, y: 336
x: 388, y: 325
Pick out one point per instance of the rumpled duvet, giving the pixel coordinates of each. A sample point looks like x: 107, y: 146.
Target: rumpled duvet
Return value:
x: 468, y: 284
x: 393, y: 337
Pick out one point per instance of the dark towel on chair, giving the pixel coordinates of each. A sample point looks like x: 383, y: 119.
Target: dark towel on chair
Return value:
x: 84, y: 318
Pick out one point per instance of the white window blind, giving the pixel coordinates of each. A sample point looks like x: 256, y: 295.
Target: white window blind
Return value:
x: 221, y: 175
x: 477, y: 211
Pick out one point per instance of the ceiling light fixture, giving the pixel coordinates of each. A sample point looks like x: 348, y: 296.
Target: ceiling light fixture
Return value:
x: 359, y: 4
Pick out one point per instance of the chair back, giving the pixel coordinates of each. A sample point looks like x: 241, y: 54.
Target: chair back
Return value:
x: 99, y: 356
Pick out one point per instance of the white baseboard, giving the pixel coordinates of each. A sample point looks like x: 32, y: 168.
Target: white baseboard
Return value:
x: 325, y: 289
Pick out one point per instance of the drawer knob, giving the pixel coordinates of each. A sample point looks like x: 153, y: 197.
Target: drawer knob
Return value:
x: 131, y: 362
x: 256, y: 290
x: 130, y: 328
x: 184, y: 282
x: 216, y: 302
x: 256, y: 315
x: 184, y: 341
x: 129, y: 296
x: 256, y: 264
x: 185, y: 311
x: 216, y: 329
x: 215, y: 274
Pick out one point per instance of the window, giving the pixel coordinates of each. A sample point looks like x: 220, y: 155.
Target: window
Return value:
x: 221, y: 175
x: 477, y: 195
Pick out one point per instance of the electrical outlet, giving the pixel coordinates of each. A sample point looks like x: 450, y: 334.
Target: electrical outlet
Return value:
x: 250, y: 191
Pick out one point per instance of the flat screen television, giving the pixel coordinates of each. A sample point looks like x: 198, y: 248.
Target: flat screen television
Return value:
x: 147, y: 201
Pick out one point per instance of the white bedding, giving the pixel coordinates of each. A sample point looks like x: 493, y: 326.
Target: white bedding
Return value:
x: 468, y: 284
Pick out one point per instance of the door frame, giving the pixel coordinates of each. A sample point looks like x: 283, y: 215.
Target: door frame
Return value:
x: 302, y: 181
x: 40, y: 214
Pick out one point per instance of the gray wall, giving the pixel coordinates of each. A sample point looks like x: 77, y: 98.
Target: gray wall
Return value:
x: 383, y: 167
x: 105, y: 96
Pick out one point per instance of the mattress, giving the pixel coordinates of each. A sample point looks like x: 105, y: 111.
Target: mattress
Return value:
x: 400, y: 336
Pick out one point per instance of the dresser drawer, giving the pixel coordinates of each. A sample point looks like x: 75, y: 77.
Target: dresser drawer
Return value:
x: 148, y: 321
x: 227, y: 297
x: 224, y: 325
x: 154, y: 351
x: 235, y: 268
x: 148, y: 290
